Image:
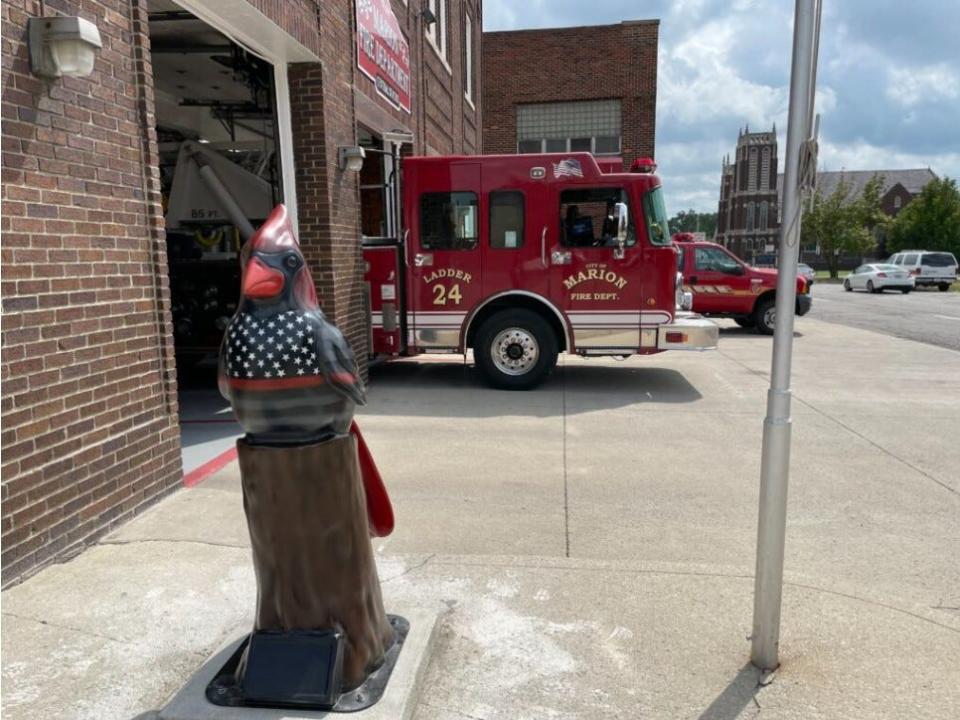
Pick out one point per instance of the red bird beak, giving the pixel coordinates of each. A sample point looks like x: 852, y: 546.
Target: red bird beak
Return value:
x: 261, y: 281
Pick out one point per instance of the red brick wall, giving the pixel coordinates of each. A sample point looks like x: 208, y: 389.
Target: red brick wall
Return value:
x: 565, y: 64
x: 89, y: 392
x: 90, y: 433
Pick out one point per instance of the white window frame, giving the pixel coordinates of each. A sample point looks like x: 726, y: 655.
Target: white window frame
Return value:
x: 437, y: 32
x: 468, y: 65
x: 566, y: 147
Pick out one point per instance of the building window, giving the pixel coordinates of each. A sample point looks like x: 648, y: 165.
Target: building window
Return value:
x: 448, y: 221
x: 587, y: 126
x: 468, y: 65
x: 763, y: 215
x: 897, y: 202
x: 437, y: 32
x: 752, y: 170
x: 765, y: 170
x: 506, y: 219
x: 750, y: 208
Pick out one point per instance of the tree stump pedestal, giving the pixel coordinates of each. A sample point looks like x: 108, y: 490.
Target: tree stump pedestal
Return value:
x: 317, y: 581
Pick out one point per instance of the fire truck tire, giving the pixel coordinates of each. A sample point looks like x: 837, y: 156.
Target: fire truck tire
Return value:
x: 515, y: 350
x: 765, y: 314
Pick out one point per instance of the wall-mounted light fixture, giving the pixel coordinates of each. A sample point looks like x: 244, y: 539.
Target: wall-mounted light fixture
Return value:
x: 427, y: 16
x: 62, y: 46
x: 350, y: 157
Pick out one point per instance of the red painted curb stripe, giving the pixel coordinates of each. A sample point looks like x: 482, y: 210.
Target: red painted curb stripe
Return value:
x: 289, y: 382
x: 198, y: 475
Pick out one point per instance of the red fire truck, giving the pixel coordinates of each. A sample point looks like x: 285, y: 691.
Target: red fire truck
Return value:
x: 723, y: 285
x: 520, y: 257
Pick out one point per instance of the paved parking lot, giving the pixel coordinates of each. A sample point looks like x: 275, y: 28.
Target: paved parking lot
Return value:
x: 590, y: 545
x: 927, y: 316
x: 658, y: 458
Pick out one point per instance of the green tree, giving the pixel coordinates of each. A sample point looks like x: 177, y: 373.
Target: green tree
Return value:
x: 692, y: 221
x: 874, y: 219
x: 931, y: 221
x: 837, y: 224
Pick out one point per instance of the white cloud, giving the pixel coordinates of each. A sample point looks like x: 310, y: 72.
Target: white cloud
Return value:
x: 888, y: 85
x: 697, y: 81
x: 911, y: 86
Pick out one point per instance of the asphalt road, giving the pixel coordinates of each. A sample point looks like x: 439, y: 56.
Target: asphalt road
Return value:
x: 928, y: 316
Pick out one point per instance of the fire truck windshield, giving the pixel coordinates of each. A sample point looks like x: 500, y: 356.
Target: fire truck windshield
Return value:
x: 655, y: 211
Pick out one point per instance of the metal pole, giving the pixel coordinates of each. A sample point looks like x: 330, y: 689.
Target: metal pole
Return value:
x: 775, y: 462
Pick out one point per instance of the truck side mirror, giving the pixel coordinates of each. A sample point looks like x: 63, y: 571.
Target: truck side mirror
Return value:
x: 623, y: 222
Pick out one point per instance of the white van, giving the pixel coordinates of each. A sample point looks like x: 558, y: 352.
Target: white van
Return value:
x: 928, y: 267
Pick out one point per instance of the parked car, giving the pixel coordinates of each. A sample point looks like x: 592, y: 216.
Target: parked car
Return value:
x: 807, y: 272
x: 878, y: 277
x: 929, y: 268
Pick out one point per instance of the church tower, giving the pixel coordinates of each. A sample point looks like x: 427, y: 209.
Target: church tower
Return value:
x: 748, y: 219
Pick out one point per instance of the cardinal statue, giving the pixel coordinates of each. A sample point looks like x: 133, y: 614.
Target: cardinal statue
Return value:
x: 290, y: 375
x: 311, y: 492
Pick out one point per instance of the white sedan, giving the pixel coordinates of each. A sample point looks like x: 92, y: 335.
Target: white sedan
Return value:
x: 878, y: 277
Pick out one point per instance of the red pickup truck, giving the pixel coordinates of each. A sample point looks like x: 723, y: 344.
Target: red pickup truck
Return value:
x: 722, y: 285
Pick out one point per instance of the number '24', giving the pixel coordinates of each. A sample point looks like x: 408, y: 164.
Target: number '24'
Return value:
x: 441, y: 296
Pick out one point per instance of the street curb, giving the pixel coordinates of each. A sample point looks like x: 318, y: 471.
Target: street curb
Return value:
x: 198, y: 475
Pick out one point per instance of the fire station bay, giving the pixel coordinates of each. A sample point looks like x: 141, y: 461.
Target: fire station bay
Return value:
x: 131, y: 182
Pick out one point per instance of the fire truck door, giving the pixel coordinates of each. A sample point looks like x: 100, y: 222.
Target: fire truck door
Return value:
x: 597, y: 285
x: 718, y: 281
x: 445, y: 255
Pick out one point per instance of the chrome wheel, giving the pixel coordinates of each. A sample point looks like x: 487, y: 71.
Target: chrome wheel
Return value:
x: 514, y: 351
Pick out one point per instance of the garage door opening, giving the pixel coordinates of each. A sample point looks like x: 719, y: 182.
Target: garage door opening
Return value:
x: 217, y: 131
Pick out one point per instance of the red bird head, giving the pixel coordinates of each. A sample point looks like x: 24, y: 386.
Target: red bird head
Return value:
x: 274, y: 269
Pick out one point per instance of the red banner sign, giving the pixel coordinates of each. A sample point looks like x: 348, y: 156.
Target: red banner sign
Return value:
x: 382, y: 52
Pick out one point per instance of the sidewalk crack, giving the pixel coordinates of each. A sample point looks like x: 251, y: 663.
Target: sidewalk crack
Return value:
x: 61, y: 626
x: 412, y: 568
x: 209, y: 543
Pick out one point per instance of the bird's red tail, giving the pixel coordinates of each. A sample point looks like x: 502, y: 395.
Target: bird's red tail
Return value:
x: 379, y: 509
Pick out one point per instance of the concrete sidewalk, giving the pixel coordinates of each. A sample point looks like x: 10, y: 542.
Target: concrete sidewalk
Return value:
x: 590, y: 544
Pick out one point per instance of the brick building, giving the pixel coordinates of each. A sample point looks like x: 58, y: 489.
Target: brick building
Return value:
x: 569, y: 89
x: 900, y: 187
x: 748, y: 218
x: 102, y: 270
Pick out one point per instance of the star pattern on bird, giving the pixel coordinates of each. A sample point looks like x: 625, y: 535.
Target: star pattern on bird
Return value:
x: 278, y: 350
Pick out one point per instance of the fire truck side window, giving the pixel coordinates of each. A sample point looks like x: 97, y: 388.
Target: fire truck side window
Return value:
x: 713, y: 259
x: 448, y: 221
x: 506, y: 219
x: 588, y: 217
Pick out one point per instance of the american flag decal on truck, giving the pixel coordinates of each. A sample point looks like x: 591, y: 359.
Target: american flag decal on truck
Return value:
x: 567, y: 168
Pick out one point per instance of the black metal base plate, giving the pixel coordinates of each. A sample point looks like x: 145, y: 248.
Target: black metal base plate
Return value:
x: 224, y: 690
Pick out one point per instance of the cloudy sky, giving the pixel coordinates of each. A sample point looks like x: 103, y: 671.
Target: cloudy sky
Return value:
x: 888, y: 83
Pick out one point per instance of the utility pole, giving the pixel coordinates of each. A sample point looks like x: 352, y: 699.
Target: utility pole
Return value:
x: 799, y: 175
